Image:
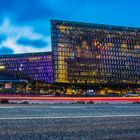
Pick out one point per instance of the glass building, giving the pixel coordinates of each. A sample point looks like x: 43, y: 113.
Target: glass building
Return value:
x: 84, y: 56
x: 95, y: 54
x: 30, y: 66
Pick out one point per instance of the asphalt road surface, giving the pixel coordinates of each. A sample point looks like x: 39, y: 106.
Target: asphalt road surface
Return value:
x: 70, y: 122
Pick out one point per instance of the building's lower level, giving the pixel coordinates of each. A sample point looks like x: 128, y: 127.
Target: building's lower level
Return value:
x: 33, y: 73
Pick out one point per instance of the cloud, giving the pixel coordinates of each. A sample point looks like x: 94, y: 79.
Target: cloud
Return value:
x: 5, y: 50
x: 35, y: 43
x: 15, y: 33
x: 2, y: 37
x: 25, y: 10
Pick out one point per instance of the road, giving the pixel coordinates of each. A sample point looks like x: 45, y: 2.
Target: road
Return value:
x: 70, y: 122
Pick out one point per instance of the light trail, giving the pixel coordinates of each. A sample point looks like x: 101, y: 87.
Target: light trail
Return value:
x: 86, y: 99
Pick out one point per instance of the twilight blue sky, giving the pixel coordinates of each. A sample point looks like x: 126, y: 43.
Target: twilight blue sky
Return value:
x: 24, y: 24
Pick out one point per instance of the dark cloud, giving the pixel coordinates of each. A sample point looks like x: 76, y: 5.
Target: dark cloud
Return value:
x: 7, y: 8
x: 2, y: 37
x: 34, y: 43
x: 31, y: 10
x: 35, y: 10
x: 7, y: 5
x: 23, y: 11
x: 5, y: 50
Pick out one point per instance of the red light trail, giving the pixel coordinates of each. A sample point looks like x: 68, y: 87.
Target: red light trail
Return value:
x: 86, y: 99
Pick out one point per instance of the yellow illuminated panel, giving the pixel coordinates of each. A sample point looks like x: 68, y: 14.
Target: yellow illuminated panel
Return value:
x: 2, y: 67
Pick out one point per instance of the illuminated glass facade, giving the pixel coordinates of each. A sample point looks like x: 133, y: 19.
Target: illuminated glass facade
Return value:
x: 95, y: 54
x: 30, y: 66
x: 82, y: 53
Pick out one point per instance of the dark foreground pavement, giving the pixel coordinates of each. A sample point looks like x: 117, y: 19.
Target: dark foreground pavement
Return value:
x: 70, y: 122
